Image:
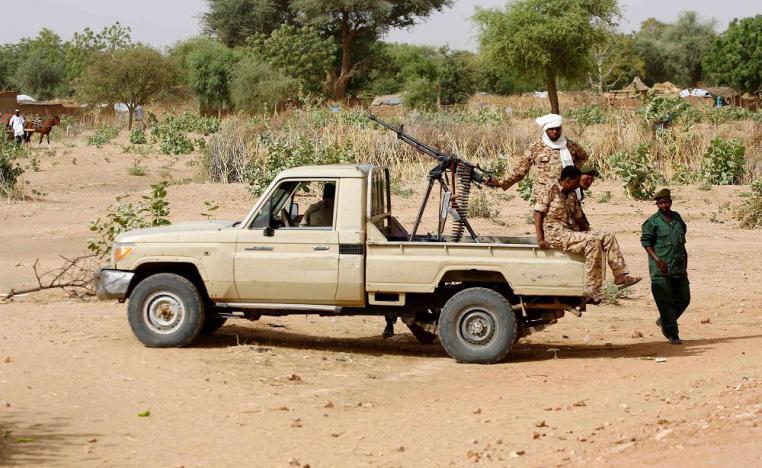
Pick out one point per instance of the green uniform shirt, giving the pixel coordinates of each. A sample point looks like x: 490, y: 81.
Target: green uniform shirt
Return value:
x: 668, y: 241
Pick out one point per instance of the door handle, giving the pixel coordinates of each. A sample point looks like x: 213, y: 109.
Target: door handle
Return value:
x: 321, y: 248
x: 259, y: 249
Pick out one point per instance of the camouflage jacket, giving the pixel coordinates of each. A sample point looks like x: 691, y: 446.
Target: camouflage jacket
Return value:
x: 561, y: 211
x: 546, y: 163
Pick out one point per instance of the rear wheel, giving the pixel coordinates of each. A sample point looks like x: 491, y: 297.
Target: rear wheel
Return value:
x: 166, y: 311
x: 478, y: 325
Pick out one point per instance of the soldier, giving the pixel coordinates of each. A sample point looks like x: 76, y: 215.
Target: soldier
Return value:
x: 663, y: 237
x: 556, y: 213
x: 548, y: 155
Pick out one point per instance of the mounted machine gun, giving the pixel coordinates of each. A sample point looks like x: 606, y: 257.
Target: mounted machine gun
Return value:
x: 461, y: 174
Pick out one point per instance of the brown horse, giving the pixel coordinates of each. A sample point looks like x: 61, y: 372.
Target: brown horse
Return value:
x: 43, y: 127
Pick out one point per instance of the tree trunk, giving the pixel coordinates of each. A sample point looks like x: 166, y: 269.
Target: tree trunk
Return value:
x: 131, y: 111
x: 550, y: 84
x: 342, y: 81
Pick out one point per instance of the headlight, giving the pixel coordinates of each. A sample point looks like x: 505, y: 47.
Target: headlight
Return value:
x: 120, y: 251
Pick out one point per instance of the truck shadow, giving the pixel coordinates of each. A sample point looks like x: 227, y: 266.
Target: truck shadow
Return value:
x: 38, y: 444
x: 405, y: 344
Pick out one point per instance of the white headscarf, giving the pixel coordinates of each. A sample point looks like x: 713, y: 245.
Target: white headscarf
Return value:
x: 554, y: 121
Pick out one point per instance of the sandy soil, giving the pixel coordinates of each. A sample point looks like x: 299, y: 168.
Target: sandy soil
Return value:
x: 330, y: 392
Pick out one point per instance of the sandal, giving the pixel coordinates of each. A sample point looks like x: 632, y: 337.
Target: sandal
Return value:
x: 629, y: 281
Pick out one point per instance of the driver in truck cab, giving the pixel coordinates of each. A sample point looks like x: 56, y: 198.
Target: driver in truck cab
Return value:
x: 320, y: 214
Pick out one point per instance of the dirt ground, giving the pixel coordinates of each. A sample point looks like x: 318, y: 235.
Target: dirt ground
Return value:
x: 604, y: 389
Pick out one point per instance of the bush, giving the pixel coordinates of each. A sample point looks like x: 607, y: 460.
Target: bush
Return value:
x: 480, y: 207
x: 122, y: 217
x: 638, y: 172
x: 727, y: 114
x: 724, y: 162
x: 138, y: 136
x: 587, y: 115
x: 10, y: 170
x: 258, y: 87
x: 684, y: 175
x: 420, y: 93
x: 525, y: 187
x: 749, y: 213
x: 663, y: 109
x: 103, y: 135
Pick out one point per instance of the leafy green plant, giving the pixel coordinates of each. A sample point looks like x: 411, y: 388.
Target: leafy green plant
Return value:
x: 724, y: 162
x: 209, y: 208
x: 137, y: 170
x: 587, y: 115
x: 749, y: 213
x: 727, y: 114
x: 103, y: 135
x: 664, y: 109
x: 525, y: 187
x: 10, y: 169
x: 605, y: 197
x: 138, y: 136
x: 400, y: 191
x: 120, y: 217
x: 684, y: 175
x: 612, y: 293
x: 637, y: 171
x: 479, y: 207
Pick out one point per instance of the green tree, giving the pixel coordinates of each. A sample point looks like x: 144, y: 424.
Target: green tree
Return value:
x: 10, y: 56
x: 300, y: 53
x: 549, y: 38
x: 614, y: 62
x: 457, y: 77
x: 41, y: 70
x: 735, y: 58
x: 209, y: 66
x: 133, y: 76
x: 352, y: 21
x: 674, y: 52
x: 233, y: 21
x: 259, y: 87
x: 86, y: 45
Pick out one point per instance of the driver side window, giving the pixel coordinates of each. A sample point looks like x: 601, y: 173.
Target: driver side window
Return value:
x: 301, y: 204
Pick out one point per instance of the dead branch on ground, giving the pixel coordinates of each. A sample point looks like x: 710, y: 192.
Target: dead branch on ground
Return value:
x: 74, y: 276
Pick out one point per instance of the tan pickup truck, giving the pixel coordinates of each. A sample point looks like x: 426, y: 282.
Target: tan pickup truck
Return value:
x: 346, y: 254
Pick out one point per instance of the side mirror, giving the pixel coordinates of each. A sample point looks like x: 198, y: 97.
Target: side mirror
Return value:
x: 294, y: 211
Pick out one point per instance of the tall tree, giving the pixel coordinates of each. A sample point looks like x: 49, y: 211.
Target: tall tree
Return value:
x: 550, y: 38
x: 41, y: 71
x: 350, y: 21
x: 86, y: 45
x: 210, y: 67
x: 133, y: 76
x: 735, y: 58
x: 233, y: 21
x: 614, y: 62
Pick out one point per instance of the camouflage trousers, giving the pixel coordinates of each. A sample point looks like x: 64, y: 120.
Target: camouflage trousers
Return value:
x: 593, y: 245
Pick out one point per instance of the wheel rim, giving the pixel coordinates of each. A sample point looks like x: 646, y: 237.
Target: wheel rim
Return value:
x: 163, y: 312
x: 477, y: 326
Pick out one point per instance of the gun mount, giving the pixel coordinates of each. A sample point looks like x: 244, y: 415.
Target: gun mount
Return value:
x: 454, y: 175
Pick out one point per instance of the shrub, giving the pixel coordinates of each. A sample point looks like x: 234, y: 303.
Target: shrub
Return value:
x: 103, y: 135
x: 638, y: 172
x: 524, y: 188
x: 479, y: 207
x: 10, y: 170
x: 727, y: 114
x: 587, y: 115
x: 121, y: 217
x: 684, y: 175
x: 420, y: 93
x: 724, y: 162
x: 137, y: 170
x: 663, y: 109
x: 749, y: 213
x: 138, y: 136
x: 258, y: 87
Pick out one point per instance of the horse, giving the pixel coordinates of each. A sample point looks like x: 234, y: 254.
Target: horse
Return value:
x: 43, y: 127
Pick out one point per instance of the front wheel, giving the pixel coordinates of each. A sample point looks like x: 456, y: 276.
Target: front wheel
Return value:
x: 477, y: 325
x: 166, y: 311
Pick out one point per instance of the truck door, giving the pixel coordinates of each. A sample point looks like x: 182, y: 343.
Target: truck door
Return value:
x: 290, y: 252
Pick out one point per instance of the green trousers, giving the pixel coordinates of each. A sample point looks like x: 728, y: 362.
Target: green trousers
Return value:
x: 672, y: 296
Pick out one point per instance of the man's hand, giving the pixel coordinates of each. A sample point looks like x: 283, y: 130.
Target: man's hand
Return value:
x: 543, y: 244
x: 662, y: 265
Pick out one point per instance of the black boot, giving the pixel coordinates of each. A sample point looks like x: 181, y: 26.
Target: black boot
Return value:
x: 388, y: 331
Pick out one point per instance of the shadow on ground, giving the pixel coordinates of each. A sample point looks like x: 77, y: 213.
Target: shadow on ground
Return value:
x: 38, y: 444
x: 406, y: 345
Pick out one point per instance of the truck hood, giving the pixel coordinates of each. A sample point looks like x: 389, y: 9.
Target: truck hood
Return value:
x: 182, y: 232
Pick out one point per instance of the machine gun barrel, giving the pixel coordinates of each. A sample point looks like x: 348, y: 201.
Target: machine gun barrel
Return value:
x: 418, y: 145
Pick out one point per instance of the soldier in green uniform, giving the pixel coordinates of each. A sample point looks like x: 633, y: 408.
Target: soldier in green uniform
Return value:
x: 663, y: 237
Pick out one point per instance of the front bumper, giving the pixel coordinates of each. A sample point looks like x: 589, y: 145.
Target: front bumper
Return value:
x: 112, y: 284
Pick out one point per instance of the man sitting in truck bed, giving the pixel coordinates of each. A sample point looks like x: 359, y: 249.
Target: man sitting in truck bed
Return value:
x: 320, y: 214
x: 556, y: 213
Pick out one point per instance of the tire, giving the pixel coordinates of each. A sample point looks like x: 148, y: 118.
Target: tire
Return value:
x: 212, y: 323
x: 478, y: 326
x: 423, y: 336
x: 166, y: 311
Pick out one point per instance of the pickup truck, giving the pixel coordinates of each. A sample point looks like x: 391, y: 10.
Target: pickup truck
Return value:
x: 345, y: 255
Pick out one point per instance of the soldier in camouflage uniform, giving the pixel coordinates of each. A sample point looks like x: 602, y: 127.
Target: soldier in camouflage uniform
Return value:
x: 556, y: 213
x: 548, y: 156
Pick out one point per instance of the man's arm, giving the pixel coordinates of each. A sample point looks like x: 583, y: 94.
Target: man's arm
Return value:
x: 539, y: 217
x: 519, y: 172
x: 579, y: 216
x: 648, y: 240
x: 579, y: 155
